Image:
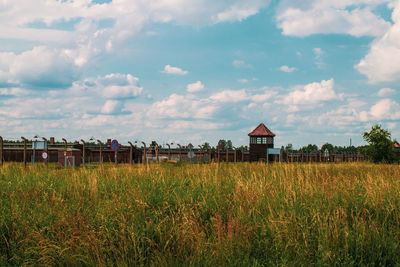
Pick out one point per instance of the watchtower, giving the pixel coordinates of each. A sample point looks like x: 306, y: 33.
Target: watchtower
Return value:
x: 261, y: 138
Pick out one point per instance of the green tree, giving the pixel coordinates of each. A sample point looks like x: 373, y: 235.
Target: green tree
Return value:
x: 380, y: 146
x: 206, y: 146
x: 310, y: 148
x: 327, y: 146
x: 229, y: 144
x: 289, y: 147
x: 221, y: 144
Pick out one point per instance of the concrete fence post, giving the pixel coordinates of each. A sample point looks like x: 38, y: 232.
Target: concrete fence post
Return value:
x: 25, y: 141
x: 46, y: 150
x: 130, y: 153
x: 83, y: 151
x: 65, y: 143
x: 101, y: 152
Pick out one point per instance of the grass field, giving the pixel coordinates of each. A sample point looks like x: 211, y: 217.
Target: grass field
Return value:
x: 227, y: 214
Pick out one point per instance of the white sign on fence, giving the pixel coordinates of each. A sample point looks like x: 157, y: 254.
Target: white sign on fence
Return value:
x: 39, y: 145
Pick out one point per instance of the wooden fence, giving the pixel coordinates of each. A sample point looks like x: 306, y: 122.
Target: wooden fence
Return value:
x: 321, y: 157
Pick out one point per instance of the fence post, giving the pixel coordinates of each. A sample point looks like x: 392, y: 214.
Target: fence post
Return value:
x: 157, y: 155
x: 130, y: 153
x: 116, y: 158
x: 47, y: 150
x: 180, y: 151
x: 101, y: 154
x: 83, y: 152
x: 25, y: 140
x: 65, y: 143
x: 144, y: 154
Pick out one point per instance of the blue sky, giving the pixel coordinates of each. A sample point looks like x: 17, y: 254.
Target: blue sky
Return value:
x: 194, y: 71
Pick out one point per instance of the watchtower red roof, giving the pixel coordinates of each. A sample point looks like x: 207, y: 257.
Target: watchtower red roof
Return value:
x: 396, y: 145
x: 261, y: 130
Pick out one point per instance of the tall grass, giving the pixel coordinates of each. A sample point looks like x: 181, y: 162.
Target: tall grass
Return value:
x: 214, y: 214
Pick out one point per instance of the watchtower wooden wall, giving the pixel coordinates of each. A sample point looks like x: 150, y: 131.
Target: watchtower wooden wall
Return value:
x: 261, y: 138
x: 259, y: 151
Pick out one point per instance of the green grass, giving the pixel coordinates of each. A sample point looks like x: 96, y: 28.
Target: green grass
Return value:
x: 194, y: 215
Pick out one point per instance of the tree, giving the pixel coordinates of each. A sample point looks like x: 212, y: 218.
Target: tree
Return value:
x: 380, y: 146
x: 229, y: 144
x: 289, y: 147
x: 310, y: 148
x: 327, y: 146
x: 221, y: 144
x: 206, y: 146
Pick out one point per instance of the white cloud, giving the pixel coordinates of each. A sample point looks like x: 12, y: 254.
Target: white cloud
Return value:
x: 241, y: 64
x: 318, y: 52
x: 310, y: 94
x: 355, y: 114
x: 382, y: 63
x: 13, y: 92
x: 69, y: 50
x: 195, y: 87
x: 119, y: 86
x: 318, y: 57
x: 268, y: 94
x: 110, y: 86
x: 240, y: 11
x: 386, y: 109
x: 42, y: 66
x: 182, y: 106
x: 243, y: 81
x: 386, y: 92
x: 111, y: 106
x: 168, y: 69
x: 230, y: 96
x: 183, y: 126
x: 285, y: 68
x: 326, y: 17
x: 343, y: 115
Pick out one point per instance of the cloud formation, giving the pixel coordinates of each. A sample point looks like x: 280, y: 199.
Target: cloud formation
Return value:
x: 305, y: 18
x: 386, y: 92
x: 195, y: 87
x: 42, y: 67
x: 285, y: 68
x: 168, y: 69
x: 241, y: 64
x: 311, y: 94
x: 382, y: 63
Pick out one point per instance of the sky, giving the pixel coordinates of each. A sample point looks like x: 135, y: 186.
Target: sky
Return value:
x: 195, y: 71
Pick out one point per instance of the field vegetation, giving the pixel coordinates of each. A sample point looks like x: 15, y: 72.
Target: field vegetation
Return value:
x: 212, y: 214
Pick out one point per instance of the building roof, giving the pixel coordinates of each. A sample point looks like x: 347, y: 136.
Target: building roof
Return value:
x: 261, y: 130
x: 396, y: 145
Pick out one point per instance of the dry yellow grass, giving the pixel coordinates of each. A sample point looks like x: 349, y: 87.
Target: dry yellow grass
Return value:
x: 211, y: 214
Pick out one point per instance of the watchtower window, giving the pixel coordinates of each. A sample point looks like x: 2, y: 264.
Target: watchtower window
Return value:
x: 264, y: 140
x: 258, y: 140
x: 252, y: 140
